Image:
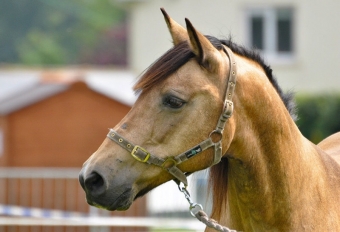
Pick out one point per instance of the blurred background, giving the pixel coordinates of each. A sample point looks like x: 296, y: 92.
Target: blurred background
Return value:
x: 67, y: 68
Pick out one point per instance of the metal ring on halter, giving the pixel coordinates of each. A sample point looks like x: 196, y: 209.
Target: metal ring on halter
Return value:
x: 217, y: 132
x: 169, y: 162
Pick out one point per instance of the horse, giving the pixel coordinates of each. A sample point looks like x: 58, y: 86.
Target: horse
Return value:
x: 210, y: 103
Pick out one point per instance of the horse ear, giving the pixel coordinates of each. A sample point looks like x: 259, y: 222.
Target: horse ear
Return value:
x: 178, y: 33
x: 201, y: 47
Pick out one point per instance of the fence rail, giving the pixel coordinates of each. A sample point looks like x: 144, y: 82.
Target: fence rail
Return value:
x: 39, y: 173
x: 52, y: 197
x: 174, y: 223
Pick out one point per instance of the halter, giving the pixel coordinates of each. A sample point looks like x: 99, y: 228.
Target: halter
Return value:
x: 170, y: 163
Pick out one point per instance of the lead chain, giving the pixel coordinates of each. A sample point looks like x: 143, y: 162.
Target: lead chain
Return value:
x: 196, y: 210
x: 194, y: 207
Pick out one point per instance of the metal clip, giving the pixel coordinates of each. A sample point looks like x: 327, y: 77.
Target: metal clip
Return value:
x: 194, y: 207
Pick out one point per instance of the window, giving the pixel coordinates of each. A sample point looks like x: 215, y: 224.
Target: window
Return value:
x: 270, y: 30
x: 284, y: 30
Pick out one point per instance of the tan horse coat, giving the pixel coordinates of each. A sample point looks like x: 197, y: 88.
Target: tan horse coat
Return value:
x: 331, y: 145
x: 271, y: 178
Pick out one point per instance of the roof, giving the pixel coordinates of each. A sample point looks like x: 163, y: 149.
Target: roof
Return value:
x: 20, y: 88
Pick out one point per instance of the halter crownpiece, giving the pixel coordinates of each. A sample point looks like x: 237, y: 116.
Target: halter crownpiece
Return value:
x: 170, y: 163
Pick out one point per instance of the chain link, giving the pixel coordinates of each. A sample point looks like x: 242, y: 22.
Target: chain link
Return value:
x: 196, y: 210
x: 193, y: 207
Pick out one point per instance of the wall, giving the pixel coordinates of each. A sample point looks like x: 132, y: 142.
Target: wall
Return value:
x: 63, y: 130
x: 315, y: 67
x: 3, y: 141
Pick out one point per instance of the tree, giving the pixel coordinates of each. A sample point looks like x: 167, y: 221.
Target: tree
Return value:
x: 318, y: 115
x: 59, y: 32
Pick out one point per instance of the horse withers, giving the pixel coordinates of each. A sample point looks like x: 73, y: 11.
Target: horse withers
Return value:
x: 211, y: 102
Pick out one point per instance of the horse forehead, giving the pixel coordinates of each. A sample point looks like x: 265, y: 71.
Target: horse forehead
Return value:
x: 190, y: 74
x: 191, y: 67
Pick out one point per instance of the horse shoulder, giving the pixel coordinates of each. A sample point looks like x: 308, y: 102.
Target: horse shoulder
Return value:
x: 331, y: 145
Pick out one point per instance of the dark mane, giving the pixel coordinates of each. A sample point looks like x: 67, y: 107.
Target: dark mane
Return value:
x: 177, y: 56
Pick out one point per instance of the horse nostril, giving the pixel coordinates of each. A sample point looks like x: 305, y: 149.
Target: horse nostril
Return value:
x: 94, y: 184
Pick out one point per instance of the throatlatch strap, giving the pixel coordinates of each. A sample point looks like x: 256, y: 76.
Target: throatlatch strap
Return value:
x: 228, y: 107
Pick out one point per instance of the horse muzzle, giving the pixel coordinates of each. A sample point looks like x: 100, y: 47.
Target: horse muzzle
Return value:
x: 104, y: 194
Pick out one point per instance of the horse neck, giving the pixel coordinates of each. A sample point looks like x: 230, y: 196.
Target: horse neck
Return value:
x: 269, y: 162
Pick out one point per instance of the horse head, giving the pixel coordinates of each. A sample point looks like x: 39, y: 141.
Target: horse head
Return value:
x: 181, y: 99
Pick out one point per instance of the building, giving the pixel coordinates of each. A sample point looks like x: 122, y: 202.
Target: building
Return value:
x: 52, y: 119
x: 59, y: 118
x: 299, y: 39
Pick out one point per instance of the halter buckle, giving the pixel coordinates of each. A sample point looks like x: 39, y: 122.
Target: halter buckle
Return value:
x: 137, y: 151
x: 228, y: 108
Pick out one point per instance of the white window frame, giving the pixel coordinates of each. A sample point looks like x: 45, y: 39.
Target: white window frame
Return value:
x: 269, y: 51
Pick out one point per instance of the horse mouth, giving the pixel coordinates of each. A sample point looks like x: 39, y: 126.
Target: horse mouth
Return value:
x: 121, y: 203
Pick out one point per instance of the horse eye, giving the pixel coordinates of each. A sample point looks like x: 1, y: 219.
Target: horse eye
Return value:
x: 173, y: 102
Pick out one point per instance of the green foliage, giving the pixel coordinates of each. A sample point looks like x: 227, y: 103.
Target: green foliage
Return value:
x: 318, y: 115
x: 41, y: 48
x: 44, y: 32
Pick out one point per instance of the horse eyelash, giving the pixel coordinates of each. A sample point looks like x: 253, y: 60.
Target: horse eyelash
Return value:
x: 170, y: 100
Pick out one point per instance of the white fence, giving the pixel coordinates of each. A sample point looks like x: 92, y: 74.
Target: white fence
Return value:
x: 50, y: 199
